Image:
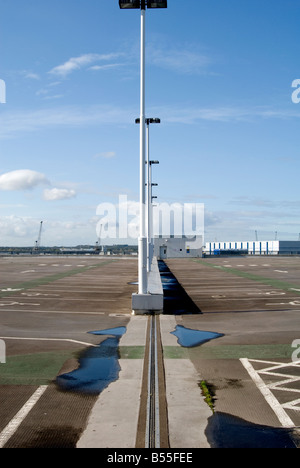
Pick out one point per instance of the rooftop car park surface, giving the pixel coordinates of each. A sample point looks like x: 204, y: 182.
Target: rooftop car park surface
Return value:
x: 48, y: 306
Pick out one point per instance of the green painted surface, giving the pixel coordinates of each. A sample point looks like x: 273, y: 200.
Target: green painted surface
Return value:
x: 275, y: 351
x: 278, y: 284
x: 132, y: 352
x: 32, y: 369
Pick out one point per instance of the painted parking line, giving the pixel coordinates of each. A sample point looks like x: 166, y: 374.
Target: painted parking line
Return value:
x: 275, y: 283
x: 14, y: 424
x: 61, y: 312
x: 277, y: 407
x: 49, y: 339
x: 13, y: 303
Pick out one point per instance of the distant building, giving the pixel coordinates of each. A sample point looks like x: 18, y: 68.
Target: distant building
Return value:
x: 178, y: 247
x: 253, y: 248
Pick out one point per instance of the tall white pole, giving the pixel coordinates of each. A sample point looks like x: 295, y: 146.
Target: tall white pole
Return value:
x: 142, y: 239
x: 149, y: 187
x: 151, y: 216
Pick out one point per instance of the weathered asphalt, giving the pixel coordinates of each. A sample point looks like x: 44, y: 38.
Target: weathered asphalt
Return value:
x: 57, y: 301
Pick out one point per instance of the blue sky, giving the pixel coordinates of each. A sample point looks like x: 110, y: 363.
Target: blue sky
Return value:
x: 219, y: 76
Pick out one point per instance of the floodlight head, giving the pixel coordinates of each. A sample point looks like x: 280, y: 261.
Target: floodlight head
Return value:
x: 129, y: 4
x: 137, y: 4
x: 148, y: 121
x: 154, y: 162
x: 157, y: 4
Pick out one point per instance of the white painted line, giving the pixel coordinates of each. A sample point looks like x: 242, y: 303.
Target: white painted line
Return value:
x: 275, y: 293
x: 48, y: 339
x: 284, y: 419
x: 39, y: 294
x: 292, y: 303
x: 292, y: 405
x: 13, y: 303
x: 281, y: 271
x: 14, y: 424
x: 52, y: 311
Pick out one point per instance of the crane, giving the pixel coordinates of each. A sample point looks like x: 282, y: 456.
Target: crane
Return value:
x: 38, y: 242
x: 98, y: 243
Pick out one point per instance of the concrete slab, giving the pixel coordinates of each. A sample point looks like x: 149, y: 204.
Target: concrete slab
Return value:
x: 114, y: 418
x: 188, y: 413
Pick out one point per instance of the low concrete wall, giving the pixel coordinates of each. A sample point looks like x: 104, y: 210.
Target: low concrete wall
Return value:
x: 153, y: 301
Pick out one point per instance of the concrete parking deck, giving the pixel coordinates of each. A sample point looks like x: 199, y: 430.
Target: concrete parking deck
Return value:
x: 255, y: 303
x: 49, y: 305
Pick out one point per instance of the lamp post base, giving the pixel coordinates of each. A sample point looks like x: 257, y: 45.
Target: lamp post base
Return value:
x: 147, y: 304
x: 153, y: 300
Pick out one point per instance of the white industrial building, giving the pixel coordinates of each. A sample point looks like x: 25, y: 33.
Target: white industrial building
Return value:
x: 177, y: 247
x: 253, y: 248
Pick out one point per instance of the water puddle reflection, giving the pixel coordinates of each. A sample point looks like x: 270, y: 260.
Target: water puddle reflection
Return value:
x: 189, y: 338
x: 98, y: 366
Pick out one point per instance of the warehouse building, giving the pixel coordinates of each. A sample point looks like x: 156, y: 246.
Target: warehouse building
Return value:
x: 253, y: 248
x: 177, y: 247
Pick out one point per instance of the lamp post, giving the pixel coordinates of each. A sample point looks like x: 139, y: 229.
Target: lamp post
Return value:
x: 149, y: 190
x: 142, y: 243
x: 150, y: 215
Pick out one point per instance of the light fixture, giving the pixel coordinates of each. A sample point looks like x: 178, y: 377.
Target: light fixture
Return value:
x: 157, y: 4
x: 130, y: 4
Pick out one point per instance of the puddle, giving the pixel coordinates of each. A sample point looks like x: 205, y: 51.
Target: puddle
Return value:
x: 189, y: 338
x: 98, y: 366
x: 117, y: 331
x: 227, y: 431
x: 176, y: 300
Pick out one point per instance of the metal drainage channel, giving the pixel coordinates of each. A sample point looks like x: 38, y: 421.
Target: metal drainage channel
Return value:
x: 152, y: 437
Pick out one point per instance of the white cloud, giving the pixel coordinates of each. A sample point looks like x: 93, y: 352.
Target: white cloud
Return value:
x: 106, y: 155
x: 32, y: 76
x: 17, y: 227
x: 23, y: 179
x: 105, y: 67
x: 76, y: 63
x: 180, y: 61
x: 12, y: 123
x: 59, y: 194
